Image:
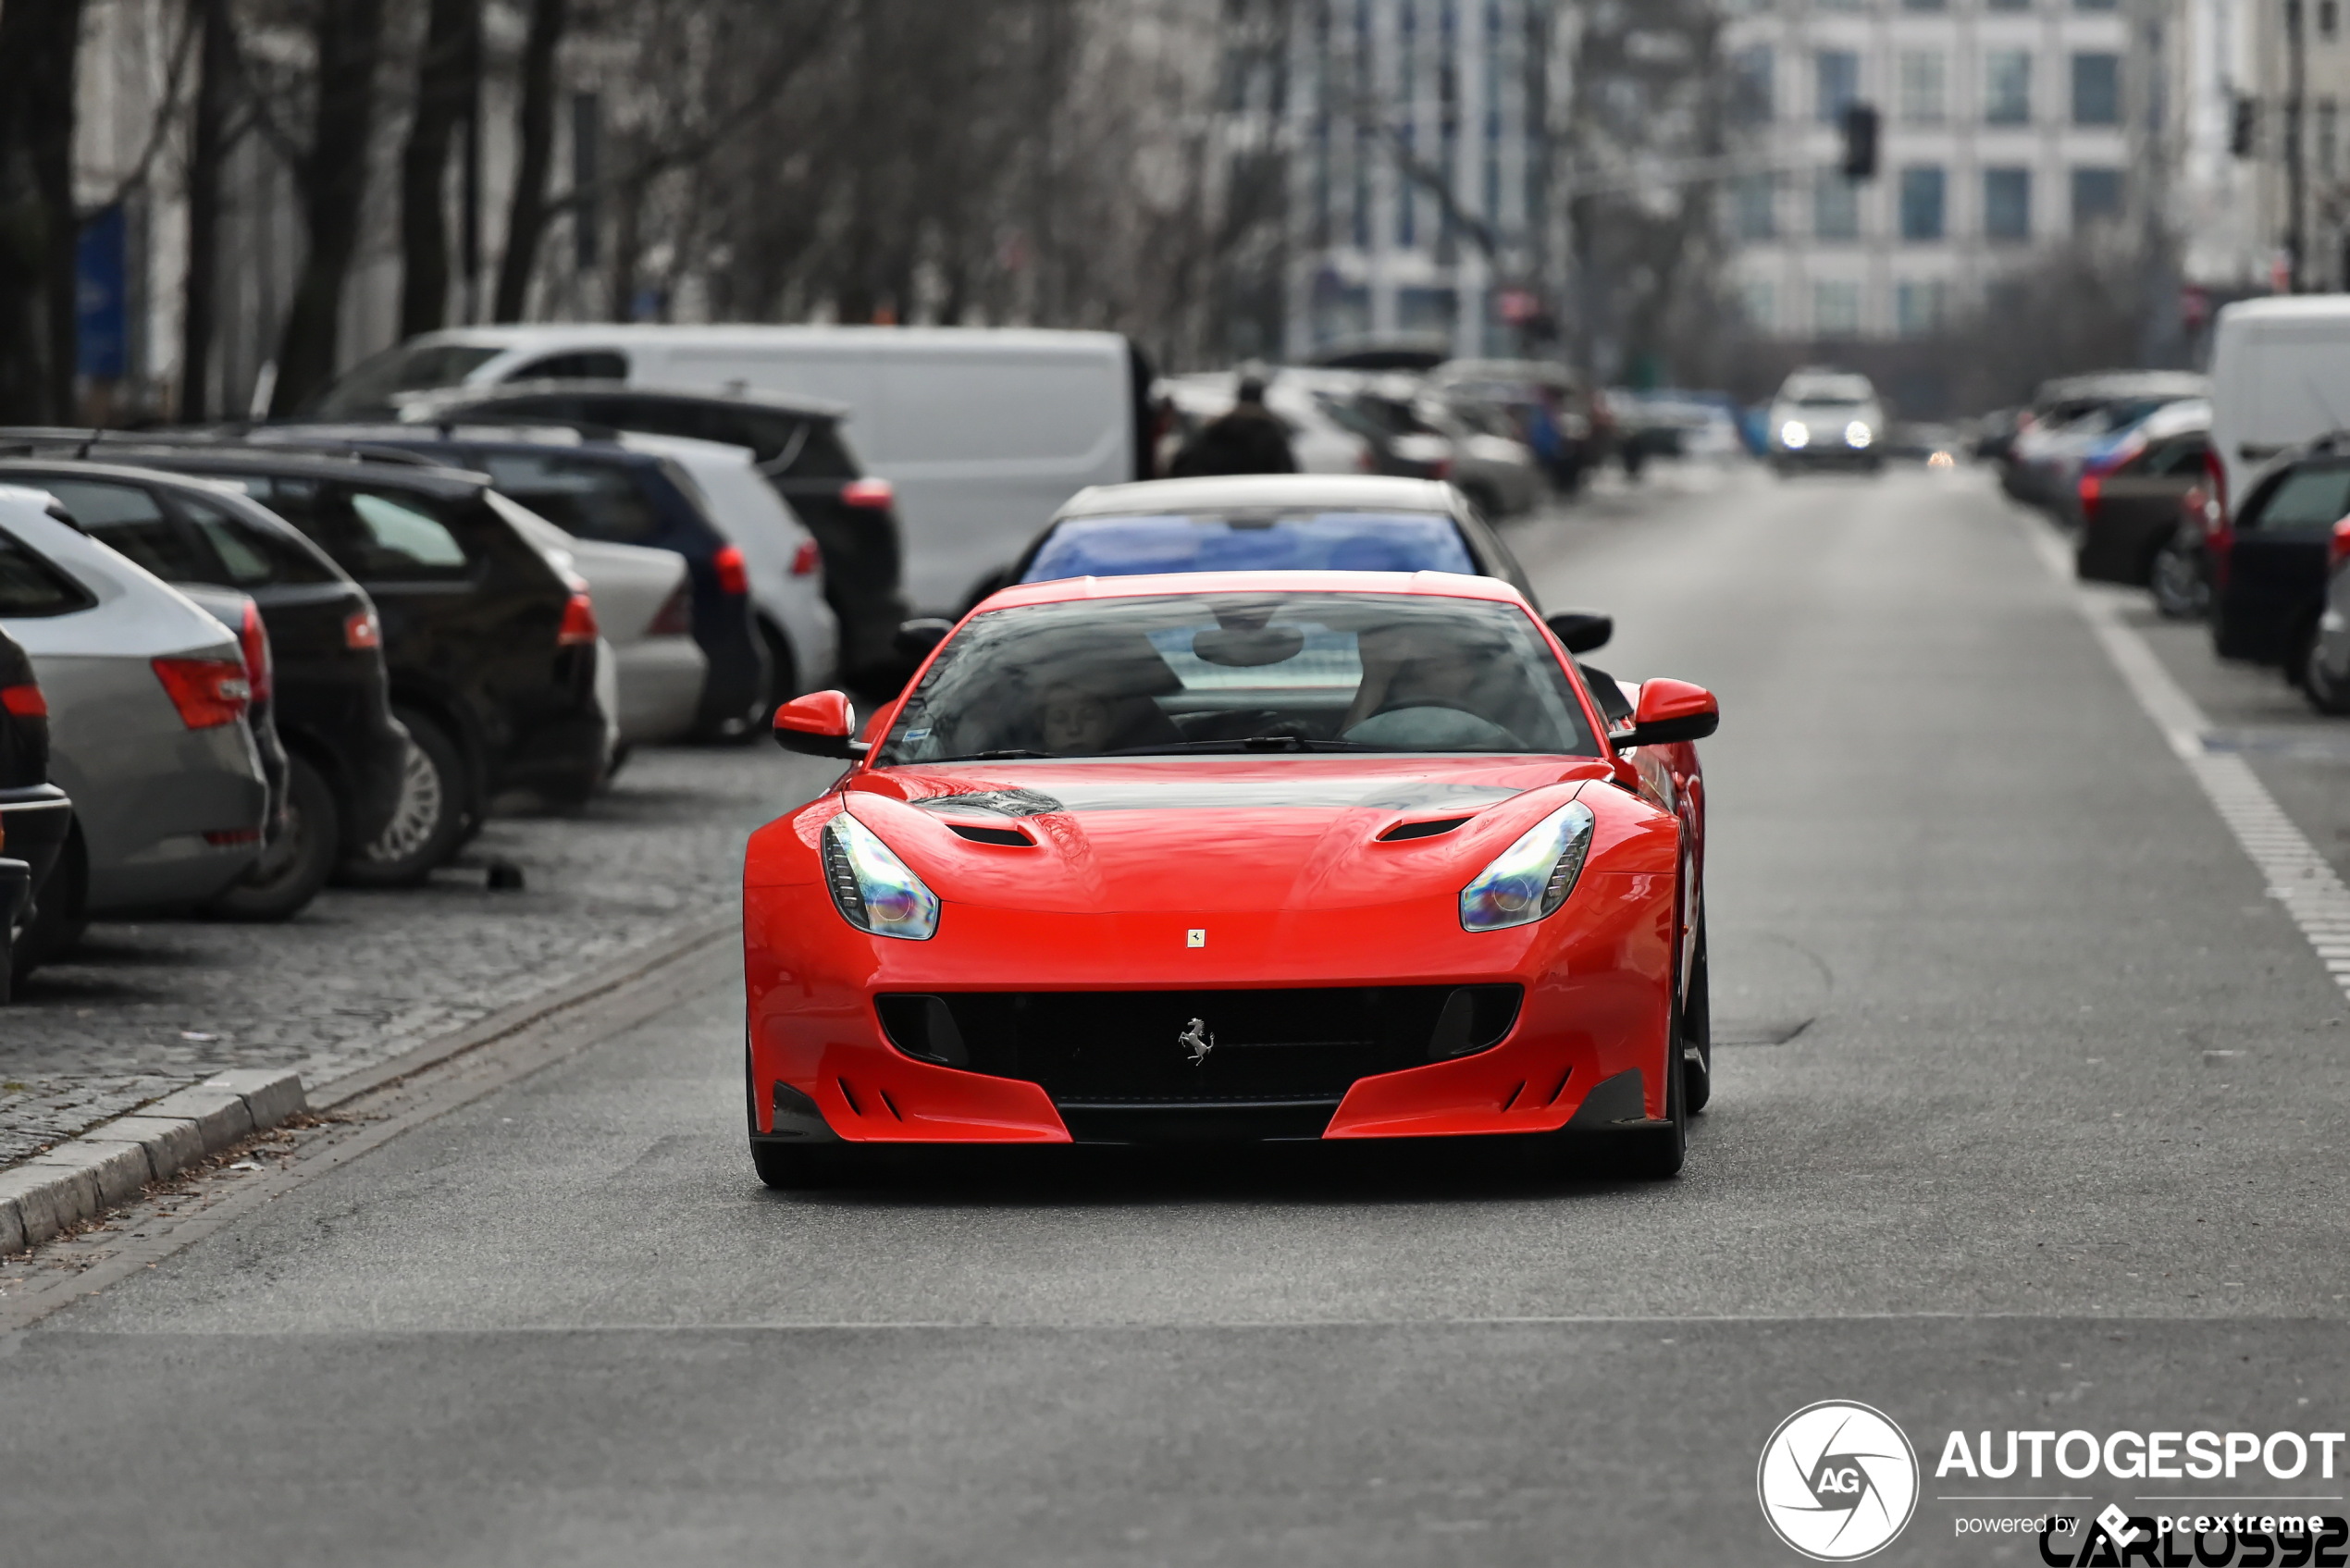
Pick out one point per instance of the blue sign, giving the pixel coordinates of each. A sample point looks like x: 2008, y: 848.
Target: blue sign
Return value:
x: 101, y: 302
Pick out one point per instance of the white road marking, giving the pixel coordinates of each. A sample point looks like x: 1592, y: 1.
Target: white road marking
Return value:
x: 2299, y: 878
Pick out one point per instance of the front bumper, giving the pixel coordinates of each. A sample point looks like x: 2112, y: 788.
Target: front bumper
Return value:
x: 1595, y: 981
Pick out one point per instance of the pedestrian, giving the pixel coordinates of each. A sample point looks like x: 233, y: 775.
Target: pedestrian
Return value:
x: 1250, y: 439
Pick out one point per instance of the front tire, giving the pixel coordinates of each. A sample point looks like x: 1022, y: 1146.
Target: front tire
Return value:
x: 1696, y: 1031
x: 2327, y: 693
x: 290, y: 871
x: 2177, y: 583
x: 430, y: 823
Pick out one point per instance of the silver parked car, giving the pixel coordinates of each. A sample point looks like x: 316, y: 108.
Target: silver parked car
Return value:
x: 146, y: 695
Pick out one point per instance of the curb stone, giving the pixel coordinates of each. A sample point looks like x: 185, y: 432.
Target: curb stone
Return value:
x: 77, y: 1181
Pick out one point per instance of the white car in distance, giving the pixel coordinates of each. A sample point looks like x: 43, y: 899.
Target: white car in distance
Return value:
x: 1827, y: 419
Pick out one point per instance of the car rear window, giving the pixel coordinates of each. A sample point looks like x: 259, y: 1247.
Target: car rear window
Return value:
x: 376, y: 533
x: 581, y: 364
x: 1243, y: 673
x: 2314, y: 496
x: 249, y: 553
x: 31, y: 587
x: 129, y: 519
x: 584, y: 499
x: 1297, y: 541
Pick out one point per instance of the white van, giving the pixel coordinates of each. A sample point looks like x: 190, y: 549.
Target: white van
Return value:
x: 2280, y: 377
x: 984, y: 431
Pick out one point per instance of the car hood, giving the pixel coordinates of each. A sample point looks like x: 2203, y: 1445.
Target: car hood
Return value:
x: 1207, y: 834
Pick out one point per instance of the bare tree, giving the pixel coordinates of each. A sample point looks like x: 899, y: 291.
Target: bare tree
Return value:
x: 210, y: 138
x: 535, y: 125
x: 333, y: 181
x: 448, y: 92
x: 40, y: 42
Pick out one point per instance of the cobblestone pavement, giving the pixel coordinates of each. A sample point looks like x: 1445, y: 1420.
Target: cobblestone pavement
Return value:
x: 144, y: 1008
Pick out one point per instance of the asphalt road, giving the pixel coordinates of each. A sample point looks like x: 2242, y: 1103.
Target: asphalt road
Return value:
x: 2037, y: 1121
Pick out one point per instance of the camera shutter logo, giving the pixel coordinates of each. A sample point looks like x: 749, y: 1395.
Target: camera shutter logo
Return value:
x: 1838, y: 1481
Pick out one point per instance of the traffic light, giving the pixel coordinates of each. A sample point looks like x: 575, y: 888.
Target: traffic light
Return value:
x: 1860, y: 141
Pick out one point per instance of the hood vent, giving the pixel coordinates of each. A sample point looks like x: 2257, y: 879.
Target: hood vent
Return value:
x: 1420, y: 830
x: 1010, y: 838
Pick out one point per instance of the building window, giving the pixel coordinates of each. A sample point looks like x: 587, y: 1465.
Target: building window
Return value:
x: 1926, y: 5
x: 2007, y: 4
x: 2007, y: 86
x: 1921, y: 202
x: 1922, y: 74
x: 2329, y: 18
x: 1919, y: 306
x: 2096, y: 196
x: 1753, y: 208
x: 2096, y: 89
x: 2328, y: 130
x: 2094, y: 5
x: 1761, y: 302
x: 1408, y: 190
x: 1838, y: 74
x: 1752, y: 101
x: 1836, y: 206
x: 2007, y: 203
x: 1835, y: 310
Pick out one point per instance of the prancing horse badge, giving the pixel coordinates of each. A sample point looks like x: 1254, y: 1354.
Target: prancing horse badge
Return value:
x: 1196, y: 1040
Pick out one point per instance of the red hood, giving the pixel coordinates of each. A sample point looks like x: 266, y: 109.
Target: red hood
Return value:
x: 1209, y: 835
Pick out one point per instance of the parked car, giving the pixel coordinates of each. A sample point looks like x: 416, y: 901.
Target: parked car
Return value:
x: 1554, y: 412
x: 145, y: 696
x: 1491, y: 465
x: 2073, y: 413
x: 981, y: 430
x: 2279, y: 377
x: 34, y: 813
x: 599, y: 491
x: 489, y: 650
x: 326, y: 696
x: 1827, y: 419
x: 2127, y: 499
x: 2269, y: 558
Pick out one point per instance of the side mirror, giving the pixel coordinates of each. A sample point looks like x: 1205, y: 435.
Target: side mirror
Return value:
x: 1669, y: 711
x: 1581, y: 630
x: 916, y: 637
x: 819, y: 724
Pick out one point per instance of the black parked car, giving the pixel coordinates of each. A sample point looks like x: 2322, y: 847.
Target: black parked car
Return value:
x: 797, y: 446
x: 2131, y: 510
x: 34, y: 813
x: 607, y: 492
x: 2269, y: 562
x: 489, y: 650
x: 328, y: 692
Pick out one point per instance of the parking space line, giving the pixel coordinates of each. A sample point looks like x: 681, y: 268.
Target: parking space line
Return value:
x: 2298, y: 876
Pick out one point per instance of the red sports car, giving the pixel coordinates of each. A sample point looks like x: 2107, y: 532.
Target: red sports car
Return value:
x: 1233, y: 856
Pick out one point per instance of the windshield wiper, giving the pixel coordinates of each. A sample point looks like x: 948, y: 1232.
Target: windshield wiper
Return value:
x: 1244, y: 743
x: 1009, y: 754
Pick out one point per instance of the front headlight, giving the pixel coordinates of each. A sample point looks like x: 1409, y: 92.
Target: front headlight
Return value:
x: 1533, y: 877
x: 1795, y: 435
x: 1857, y: 434
x: 872, y: 887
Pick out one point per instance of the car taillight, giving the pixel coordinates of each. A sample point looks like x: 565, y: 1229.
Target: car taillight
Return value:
x: 579, y: 622
x: 2090, y: 487
x: 874, y: 494
x: 25, y: 701
x: 208, y: 692
x: 734, y: 576
x: 675, y: 617
x: 2215, y: 479
x: 361, y: 629
x: 260, y: 669
x: 2338, y: 547
x: 1441, y: 469
x: 1366, y: 461
x: 806, y: 559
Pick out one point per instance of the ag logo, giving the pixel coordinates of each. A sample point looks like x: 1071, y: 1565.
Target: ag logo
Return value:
x: 1837, y: 1481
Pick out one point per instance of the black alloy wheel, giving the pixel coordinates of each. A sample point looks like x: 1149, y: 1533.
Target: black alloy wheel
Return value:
x: 2326, y: 693
x: 295, y: 865
x: 430, y: 822
x: 2180, y: 591
x: 1697, y: 1031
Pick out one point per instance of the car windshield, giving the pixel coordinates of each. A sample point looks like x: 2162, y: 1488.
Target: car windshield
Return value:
x: 1241, y: 673
x: 1288, y: 541
x: 365, y: 390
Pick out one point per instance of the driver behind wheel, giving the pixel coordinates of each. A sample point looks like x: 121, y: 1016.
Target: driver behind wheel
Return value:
x: 1426, y: 690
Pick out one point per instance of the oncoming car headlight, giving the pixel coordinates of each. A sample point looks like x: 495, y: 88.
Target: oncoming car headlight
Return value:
x: 1858, y: 434
x: 872, y: 887
x: 1533, y: 877
x: 1794, y: 435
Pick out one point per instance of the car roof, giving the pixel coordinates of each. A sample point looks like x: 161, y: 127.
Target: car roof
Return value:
x: 1434, y: 585
x: 294, y: 462
x: 558, y: 439
x: 1265, y: 490
x: 471, y: 394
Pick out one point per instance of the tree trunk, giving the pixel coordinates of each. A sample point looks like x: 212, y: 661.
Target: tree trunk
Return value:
x: 448, y: 81
x: 334, y: 186
x: 39, y: 40
x: 208, y: 153
x: 535, y: 123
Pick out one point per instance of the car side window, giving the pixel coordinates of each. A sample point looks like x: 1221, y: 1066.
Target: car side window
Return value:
x: 401, y: 538
x: 32, y: 588
x: 589, y: 501
x: 251, y: 554
x: 128, y: 518
x: 2181, y: 454
x: 584, y: 364
x: 2309, y: 499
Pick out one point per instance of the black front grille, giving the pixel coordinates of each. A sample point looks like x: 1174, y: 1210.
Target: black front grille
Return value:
x: 1135, y: 1051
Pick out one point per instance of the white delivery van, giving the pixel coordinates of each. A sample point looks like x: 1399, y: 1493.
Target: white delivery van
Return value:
x: 2280, y: 377
x: 984, y: 431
